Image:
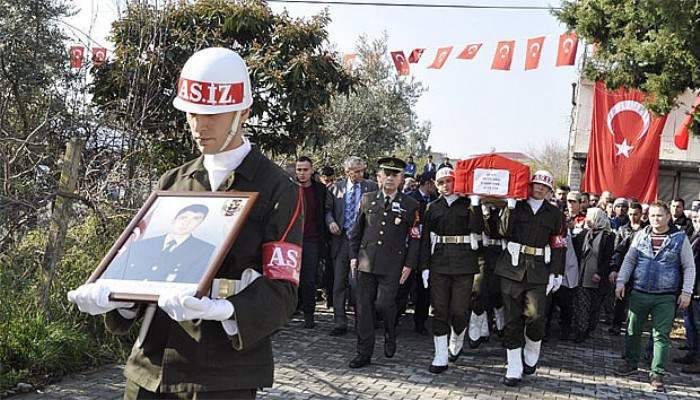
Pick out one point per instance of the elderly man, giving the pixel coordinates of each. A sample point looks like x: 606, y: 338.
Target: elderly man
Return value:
x: 342, y: 205
x: 218, y: 347
x: 659, y: 263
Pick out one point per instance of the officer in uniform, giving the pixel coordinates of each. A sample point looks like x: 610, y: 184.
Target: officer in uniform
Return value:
x: 449, y: 260
x: 486, y: 296
x: 384, y: 250
x: 217, y: 346
x: 530, y: 268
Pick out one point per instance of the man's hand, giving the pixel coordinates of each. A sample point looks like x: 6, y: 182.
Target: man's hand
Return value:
x: 405, y: 273
x: 93, y: 298
x: 595, y: 278
x: 683, y: 301
x: 183, y: 306
x: 620, y: 292
x: 612, y: 277
x: 554, y: 283
x: 334, y: 228
x: 425, y: 275
x: 353, y: 268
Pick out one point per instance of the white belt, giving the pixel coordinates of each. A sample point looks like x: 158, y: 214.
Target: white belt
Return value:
x: 453, y: 239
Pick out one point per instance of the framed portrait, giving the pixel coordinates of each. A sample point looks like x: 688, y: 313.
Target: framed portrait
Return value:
x: 176, y: 241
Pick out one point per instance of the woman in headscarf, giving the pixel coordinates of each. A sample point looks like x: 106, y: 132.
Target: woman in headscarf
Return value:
x: 596, y: 251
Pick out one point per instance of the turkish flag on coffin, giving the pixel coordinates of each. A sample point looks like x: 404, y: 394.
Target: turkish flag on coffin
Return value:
x: 400, y: 62
x: 472, y: 175
x: 623, y: 155
x: 504, y: 55
x: 534, y: 51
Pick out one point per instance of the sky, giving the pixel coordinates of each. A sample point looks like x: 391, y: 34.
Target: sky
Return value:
x: 472, y: 108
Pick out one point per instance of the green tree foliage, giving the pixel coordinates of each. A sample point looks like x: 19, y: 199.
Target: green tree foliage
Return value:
x: 293, y: 75
x: 649, y: 45
x: 378, y: 117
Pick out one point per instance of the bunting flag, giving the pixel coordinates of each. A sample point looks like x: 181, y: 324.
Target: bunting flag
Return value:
x: 566, y: 55
x: 348, y: 60
x: 99, y: 56
x: 76, y: 56
x: 534, y: 51
x: 415, y: 55
x: 441, y: 57
x: 402, y: 66
x: 504, y: 55
x: 469, y: 51
x: 682, y: 135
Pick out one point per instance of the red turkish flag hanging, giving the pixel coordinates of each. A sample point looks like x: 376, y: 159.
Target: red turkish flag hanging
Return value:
x: 568, y: 43
x: 415, y: 55
x: 504, y: 55
x: 534, y: 51
x: 99, y: 56
x: 623, y: 155
x: 348, y: 59
x: 400, y: 62
x: 681, y: 137
x: 76, y: 56
x: 469, y: 52
x: 441, y: 57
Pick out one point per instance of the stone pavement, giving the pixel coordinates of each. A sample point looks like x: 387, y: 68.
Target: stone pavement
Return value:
x: 312, y: 365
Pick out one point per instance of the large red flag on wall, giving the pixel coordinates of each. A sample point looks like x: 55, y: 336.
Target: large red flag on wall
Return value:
x: 400, y: 62
x: 568, y: 43
x: 534, y: 51
x: 623, y: 155
x: 504, y: 55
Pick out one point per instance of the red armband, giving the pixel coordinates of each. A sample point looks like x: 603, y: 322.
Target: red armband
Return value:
x: 557, y: 241
x: 416, y: 227
x: 282, y: 260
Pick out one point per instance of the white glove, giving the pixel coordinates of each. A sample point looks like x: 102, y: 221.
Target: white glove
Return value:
x: 183, y: 306
x: 425, y: 275
x: 554, y: 283
x: 93, y: 298
x: 474, y: 199
x: 511, y: 203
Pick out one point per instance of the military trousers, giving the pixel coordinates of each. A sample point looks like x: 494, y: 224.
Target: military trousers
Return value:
x: 343, y: 284
x: 486, y: 294
x: 450, y: 296
x: 524, y: 305
x: 414, y: 284
x: 135, y: 392
x: 376, y: 294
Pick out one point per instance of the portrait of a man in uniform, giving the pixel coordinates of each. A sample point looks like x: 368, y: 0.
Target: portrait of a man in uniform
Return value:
x: 177, y: 256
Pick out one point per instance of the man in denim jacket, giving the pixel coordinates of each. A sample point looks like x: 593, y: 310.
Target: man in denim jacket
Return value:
x: 660, y: 264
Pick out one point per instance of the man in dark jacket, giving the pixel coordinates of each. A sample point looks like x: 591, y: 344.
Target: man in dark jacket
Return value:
x: 218, y: 346
x: 314, y: 194
x: 678, y: 217
x: 384, y: 252
x: 694, y: 308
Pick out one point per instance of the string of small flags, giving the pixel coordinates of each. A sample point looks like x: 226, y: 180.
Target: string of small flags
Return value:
x: 77, y: 56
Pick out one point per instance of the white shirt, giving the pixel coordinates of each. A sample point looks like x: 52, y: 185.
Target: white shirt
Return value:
x: 451, y: 199
x: 178, y: 241
x: 534, y: 204
x: 219, y: 165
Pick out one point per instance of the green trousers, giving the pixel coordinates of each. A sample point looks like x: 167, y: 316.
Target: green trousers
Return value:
x: 662, y: 308
x: 135, y: 392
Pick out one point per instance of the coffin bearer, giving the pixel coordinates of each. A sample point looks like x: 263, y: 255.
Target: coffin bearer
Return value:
x: 384, y: 250
x: 449, y: 260
x: 530, y: 268
x: 217, y: 347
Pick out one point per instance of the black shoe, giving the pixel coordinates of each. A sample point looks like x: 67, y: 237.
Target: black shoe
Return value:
x: 685, y: 360
x: 360, y: 361
x: 338, y: 331
x: 528, y: 370
x: 420, y: 329
x: 473, y: 344
x: 453, y: 357
x: 309, y: 321
x: 484, y: 339
x: 499, y: 333
x: 436, y: 369
x: 511, y: 381
x: 389, y: 346
x: 626, y: 370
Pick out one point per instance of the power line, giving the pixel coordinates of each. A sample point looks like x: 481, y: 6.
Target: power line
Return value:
x: 415, y: 5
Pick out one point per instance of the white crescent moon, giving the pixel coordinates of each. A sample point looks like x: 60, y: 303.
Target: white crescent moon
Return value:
x: 634, y: 106
x: 535, y: 48
x: 400, y: 58
x: 568, y: 44
x: 507, y: 50
x: 77, y: 52
x: 472, y: 49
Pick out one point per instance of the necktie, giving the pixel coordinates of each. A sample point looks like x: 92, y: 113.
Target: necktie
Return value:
x: 387, y: 203
x: 351, y: 207
x: 426, y: 198
x: 169, y: 246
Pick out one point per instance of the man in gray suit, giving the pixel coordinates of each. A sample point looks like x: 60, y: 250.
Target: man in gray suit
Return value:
x: 342, y: 204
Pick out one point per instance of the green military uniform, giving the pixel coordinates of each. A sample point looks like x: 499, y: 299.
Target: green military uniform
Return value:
x: 487, y: 285
x: 523, y: 286
x: 379, y: 243
x: 447, y: 252
x: 199, y: 356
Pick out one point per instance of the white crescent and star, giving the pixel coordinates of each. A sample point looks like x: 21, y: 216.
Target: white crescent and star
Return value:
x: 535, y: 49
x: 636, y: 107
x: 472, y: 49
x: 505, y: 47
x: 567, y: 45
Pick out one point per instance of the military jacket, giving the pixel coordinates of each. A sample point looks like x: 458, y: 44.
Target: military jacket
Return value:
x: 199, y: 355
x: 384, y: 240
x: 458, y: 219
x: 522, y: 226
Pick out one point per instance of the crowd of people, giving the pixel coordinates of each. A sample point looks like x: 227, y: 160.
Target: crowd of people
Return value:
x: 619, y: 261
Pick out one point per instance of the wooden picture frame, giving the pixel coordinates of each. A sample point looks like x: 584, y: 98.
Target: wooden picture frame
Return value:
x: 185, y: 235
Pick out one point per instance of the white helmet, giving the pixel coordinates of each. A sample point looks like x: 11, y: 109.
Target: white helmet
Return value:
x: 543, y: 177
x: 444, y: 172
x: 214, y: 81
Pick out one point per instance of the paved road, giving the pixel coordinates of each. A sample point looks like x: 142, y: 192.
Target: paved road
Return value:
x: 312, y: 365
